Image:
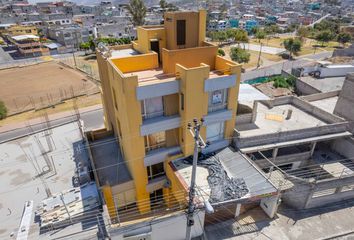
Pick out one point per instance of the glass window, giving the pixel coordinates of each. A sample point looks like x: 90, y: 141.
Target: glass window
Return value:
x: 215, y: 131
x: 217, y: 100
x: 152, y: 107
x: 155, y: 171
x: 155, y: 141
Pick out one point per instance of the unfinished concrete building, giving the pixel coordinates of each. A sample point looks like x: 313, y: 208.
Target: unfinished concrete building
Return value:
x: 301, y: 147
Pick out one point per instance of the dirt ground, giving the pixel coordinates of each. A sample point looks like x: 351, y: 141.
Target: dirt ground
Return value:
x: 41, y: 84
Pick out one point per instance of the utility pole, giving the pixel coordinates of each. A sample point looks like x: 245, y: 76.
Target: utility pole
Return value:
x: 198, y: 144
x: 259, y: 55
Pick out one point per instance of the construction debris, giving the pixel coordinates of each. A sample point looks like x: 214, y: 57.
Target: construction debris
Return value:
x: 223, y: 188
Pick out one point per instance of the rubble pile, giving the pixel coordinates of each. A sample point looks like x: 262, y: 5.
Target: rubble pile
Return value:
x: 223, y: 188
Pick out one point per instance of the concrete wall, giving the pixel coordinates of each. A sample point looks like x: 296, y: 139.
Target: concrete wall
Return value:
x: 168, y: 228
x: 301, y: 195
x: 304, y: 88
x: 137, y: 62
x: 244, y: 118
x: 286, y: 159
x: 344, y: 146
x: 320, y: 96
x: 289, y: 135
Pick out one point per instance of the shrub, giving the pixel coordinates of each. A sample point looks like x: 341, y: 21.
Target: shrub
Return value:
x: 283, y: 82
x: 221, y: 52
x: 3, y: 110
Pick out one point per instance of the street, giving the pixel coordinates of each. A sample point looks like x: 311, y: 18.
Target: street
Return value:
x: 92, y: 119
x: 284, y: 65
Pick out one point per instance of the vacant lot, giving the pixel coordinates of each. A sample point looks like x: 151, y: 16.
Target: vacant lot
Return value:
x: 40, y: 85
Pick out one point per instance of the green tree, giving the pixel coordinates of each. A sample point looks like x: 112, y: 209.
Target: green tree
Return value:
x: 343, y: 38
x: 137, y: 11
x: 221, y: 52
x: 239, y: 55
x: 260, y: 34
x: 165, y: 6
x: 85, y: 46
x: 292, y: 45
x: 330, y: 25
x: 3, y: 110
x: 302, y: 33
x: 241, y: 36
x: 324, y: 36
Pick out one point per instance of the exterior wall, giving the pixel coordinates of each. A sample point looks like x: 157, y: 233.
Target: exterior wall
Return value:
x: 195, y: 101
x: 20, y: 30
x: 126, y: 124
x: 192, y: 29
x: 200, y: 55
x: 145, y: 34
x: 137, y: 62
x: 169, y: 228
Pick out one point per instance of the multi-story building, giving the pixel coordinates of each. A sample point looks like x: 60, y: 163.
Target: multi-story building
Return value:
x: 71, y: 36
x: 16, y: 30
x: 151, y: 90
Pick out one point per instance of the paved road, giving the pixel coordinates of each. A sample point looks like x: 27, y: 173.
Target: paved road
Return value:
x: 92, y: 119
x: 286, y: 65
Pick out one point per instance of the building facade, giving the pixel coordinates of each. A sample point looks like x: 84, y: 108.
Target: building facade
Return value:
x: 152, y: 89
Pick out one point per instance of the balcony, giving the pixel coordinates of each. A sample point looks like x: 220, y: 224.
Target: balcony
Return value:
x: 159, y: 155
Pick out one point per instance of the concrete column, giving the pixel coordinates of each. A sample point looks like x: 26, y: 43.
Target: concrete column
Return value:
x: 309, y: 196
x: 238, y: 210
x: 313, y: 146
x: 275, y: 153
x: 254, y: 111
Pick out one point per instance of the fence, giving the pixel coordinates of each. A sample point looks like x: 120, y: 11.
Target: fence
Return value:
x: 89, y: 67
x: 21, y: 63
x: 51, y: 99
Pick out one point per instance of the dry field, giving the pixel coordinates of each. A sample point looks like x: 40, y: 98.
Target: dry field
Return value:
x: 42, y: 84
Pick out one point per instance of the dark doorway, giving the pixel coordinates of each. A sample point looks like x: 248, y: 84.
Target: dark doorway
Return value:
x: 155, y: 46
x: 156, y: 198
x: 181, y: 32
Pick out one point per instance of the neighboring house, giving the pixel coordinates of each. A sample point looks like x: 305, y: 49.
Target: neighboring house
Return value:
x: 215, y: 25
x: 28, y: 45
x: 71, y: 36
x: 15, y: 30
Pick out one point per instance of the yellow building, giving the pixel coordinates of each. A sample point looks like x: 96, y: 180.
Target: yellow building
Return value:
x: 151, y: 90
x: 16, y: 30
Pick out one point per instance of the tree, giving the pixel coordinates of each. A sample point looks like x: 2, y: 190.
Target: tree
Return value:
x: 239, y: 55
x: 241, y: 36
x: 165, y: 6
x: 324, y: 36
x: 221, y: 52
x: 343, y: 38
x: 3, y: 110
x: 85, y: 46
x: 302, y: 33
x: 137, y: 11
x: 260, y: 34
x: 292, y: 45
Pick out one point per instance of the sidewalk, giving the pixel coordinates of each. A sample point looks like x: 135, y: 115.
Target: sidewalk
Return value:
x: 35, y: 121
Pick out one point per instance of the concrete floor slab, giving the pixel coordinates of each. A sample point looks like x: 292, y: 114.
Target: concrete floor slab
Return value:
x: 18, y: 173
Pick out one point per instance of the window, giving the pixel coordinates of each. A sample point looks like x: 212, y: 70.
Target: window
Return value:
x: 152, y: 107
x: 215, y: 131
x: 182, y: 101
x: 155, y: 171
x: 115, y: 99
x: 181, y: 32
x: 155, y: 141
x: 217, y: 100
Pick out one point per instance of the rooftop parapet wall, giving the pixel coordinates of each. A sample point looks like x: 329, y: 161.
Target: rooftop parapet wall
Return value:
x: 304, y: 106
x: 189, y: 57
x: 137, y: 62
x: 272, y: 138
x: 320, y: 96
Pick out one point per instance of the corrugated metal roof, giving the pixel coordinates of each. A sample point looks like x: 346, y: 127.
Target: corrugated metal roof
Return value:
x: 238, y: 166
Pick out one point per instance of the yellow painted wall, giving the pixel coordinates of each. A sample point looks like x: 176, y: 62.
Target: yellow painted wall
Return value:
x: 202, y: 26
x: 192, y: 29
x: 177, y: 193
x: 20, y: 30
x: 189, y: 58
x: 129, y: 116
x: 106, y: 91
x: 195, y: 99
x: 108, y: 198
x: 145, y: 34
x: 136, y: 62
